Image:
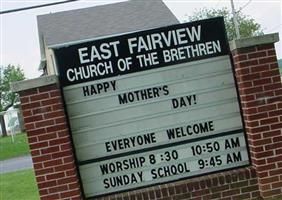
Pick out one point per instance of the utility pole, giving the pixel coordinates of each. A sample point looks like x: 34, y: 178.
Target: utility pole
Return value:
x: 235, y: 20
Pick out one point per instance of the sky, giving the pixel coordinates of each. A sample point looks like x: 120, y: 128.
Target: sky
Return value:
x: 19, y: 44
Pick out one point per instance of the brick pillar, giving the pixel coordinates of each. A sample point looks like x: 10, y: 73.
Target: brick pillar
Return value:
x: 49, y: 139
x: 260, y: 91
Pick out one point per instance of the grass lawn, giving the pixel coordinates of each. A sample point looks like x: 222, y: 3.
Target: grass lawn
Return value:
x: 8, y: 149
x: 18, y: 186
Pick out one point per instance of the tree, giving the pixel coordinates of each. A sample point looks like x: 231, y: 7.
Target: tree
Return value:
x: 8, y: 98
x: 247, y: 26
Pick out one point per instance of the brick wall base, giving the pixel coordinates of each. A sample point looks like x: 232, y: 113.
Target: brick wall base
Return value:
x: 231, y: 185
x: 50, y: 143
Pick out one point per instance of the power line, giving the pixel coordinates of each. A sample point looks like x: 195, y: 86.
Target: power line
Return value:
x: 244, y: 6
x: 37, y: 6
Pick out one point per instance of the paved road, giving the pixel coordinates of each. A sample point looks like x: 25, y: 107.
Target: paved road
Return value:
x: 16, y: 164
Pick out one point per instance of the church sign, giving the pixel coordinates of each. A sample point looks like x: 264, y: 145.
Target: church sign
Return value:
x: 152, y: 106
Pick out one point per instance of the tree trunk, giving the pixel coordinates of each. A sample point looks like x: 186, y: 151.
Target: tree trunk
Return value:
x: 3, y: 126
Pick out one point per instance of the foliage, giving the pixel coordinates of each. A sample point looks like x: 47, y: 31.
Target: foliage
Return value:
x: 248, y: 27
x: 7, y: 75
x: 8, y: 149
x: 18, y: 185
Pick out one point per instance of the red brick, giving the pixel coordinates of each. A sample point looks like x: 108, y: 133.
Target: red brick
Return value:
x: 266, y: 167
x: 247, y: 97
x: 271, y: 133
x: 35, y: 152
x: 67, y: 180
x: 271, y: 73
x: 269, y: 180
x: 266, y: 108
x: 55, y: 93
x: 44, y: 123
x: 30, y: 105
x: 26, y: 113
x: 39, y: 145
x: 71, y: 172
x: 50, y: 150
x: 250, y: 77
x: 65, y: 167
x: 47, y: 136
x: 269, y: 120
x: 276, y: 171
x: 57, y: 189
x: 67, y: 146
x: 53, y: 162
x: 274, y: 100
x: 272, y: 86
x: 46, y: 184
x: 276, y: 79
x: 41, y: 158
x: 242, y: 71
x: 55, y: 176
x: 277, y: 184
x: 273, y: 146
x: 57, y: 107
x: 248, y: 63
x: 255, y: 103
x: 239, y: 58
x: 52, y: 101
x: 262, y: 142
x: 36, y: 132
x: 50, y: 197
x: 28, y: 92
x: 271, y: 193
x: 41, y: 110
x: 274, y: 65
x: 70, y: 193
x: 48, y: 88
x: 33, y: 118
x: 269, y: 59
x: 265, y: 47
x: 37, y: 166
x: 264, y: 154
x: 73, y: 185
x: 250, y: 110
x: 262, y: 81
x: 276, y: 126
x: 257, y: 116
x: 32, y: 139
x: 275, y: 160
x: 24, y: 99
x: 257, y: 54
x: 44, y: 171
x: 29, y: 126
x: 59, y: 141
x: 62, y: 154
x: 63, y: 133
x: 43, y: 192
x: 260, y: 129
x: 54, y: 114
x: 60, y: 120
x: 278, y: 138
x: 58, y: 127
x: 275, y: 113
x: 39, y: 96
x: 244, y: 50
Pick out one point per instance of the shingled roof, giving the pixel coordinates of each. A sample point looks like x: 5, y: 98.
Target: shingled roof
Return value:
x: 81, y: 24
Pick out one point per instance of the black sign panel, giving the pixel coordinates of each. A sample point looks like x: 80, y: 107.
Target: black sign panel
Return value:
x: 140, y: 51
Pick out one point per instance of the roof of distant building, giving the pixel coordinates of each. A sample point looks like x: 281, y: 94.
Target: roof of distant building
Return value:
x: 99, y: 21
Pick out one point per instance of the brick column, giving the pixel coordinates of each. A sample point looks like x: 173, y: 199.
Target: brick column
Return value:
x: 260, y: 91
x: 49, y: 139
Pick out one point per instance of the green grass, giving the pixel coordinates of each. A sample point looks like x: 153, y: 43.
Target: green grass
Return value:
x: 18, y: 186
x: 8, y: 149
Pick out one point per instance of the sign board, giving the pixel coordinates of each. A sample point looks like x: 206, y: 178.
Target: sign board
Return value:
x: 153, y: 106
